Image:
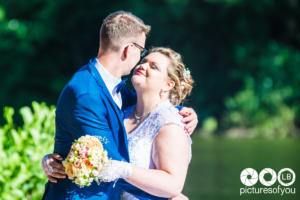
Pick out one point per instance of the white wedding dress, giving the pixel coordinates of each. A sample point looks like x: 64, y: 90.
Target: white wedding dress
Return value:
x: 140, y: 140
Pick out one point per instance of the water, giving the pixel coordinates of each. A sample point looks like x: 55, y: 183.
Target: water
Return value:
x: 216, y: 165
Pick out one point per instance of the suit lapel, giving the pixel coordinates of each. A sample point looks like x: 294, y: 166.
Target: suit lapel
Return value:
x: 96, y: 75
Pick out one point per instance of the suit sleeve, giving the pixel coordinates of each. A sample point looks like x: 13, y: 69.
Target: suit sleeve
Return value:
x: 87, y: 116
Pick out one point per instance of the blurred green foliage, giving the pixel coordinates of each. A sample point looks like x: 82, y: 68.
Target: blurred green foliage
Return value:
x: 244, y: 55
x: 21, y: 151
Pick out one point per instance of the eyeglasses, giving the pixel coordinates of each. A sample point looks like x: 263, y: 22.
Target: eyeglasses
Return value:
x: 144, y: 51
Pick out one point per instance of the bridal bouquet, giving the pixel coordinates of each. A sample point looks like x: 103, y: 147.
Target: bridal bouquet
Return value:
x: 85, y: 161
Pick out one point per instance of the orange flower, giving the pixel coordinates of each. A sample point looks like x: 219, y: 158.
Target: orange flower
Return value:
x: 69, y: 169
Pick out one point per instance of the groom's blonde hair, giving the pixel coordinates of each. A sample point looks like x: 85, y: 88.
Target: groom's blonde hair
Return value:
x: 119, y: 26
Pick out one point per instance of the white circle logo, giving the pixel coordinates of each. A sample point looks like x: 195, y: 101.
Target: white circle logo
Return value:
x: 262, y: 177
x: 290, y: 176
x: 249, y: 177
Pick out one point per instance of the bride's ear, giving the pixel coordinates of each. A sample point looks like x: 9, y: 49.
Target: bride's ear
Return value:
x: 169, y: 86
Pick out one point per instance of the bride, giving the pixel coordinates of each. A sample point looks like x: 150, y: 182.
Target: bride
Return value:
x: 159, y: 147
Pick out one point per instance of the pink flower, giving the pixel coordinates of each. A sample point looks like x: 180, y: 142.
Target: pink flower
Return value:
x: 76, y: 163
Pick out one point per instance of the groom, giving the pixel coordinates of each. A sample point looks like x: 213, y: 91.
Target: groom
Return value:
x: 93, y: 101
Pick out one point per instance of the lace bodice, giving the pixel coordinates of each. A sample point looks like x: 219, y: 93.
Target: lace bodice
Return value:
x: 140, y: 140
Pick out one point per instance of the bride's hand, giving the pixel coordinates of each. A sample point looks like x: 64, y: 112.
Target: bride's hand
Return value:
x: 180, y: 197
x: 52, y: 167
x: 189, y: 118
x: 114, y: 170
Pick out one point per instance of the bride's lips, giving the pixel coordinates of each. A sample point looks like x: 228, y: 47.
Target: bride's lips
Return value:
x: 138, y: 72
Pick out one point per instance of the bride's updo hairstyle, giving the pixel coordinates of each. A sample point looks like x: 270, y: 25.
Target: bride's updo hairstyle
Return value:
x: 178, y: 73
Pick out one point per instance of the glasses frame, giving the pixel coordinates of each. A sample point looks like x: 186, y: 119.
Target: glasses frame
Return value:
x: 144, y: 51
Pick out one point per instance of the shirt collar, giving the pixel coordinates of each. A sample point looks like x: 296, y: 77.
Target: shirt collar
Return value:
x: 110, y: 81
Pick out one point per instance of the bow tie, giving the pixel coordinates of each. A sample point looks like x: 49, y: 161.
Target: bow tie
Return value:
x: 120, y: 85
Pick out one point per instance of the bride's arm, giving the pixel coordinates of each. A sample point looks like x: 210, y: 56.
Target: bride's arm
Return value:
x: 171, y: 159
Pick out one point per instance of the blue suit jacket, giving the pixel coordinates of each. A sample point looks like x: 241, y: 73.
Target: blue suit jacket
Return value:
x: 85, y: 106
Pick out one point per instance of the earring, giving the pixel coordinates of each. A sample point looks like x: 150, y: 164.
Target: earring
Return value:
x: 163, y: 94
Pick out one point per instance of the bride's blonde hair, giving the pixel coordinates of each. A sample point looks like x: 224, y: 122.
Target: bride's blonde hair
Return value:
x: 178, y: 73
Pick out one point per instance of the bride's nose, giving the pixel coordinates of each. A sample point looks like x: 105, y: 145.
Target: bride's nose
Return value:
x: 142, y: 66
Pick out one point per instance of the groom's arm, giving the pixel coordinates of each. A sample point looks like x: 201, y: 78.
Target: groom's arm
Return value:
x: 87, y: 117
x: 95, y: 116
x: 78, y: 115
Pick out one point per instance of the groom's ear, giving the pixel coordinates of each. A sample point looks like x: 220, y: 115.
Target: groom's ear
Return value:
x: 124, y: 53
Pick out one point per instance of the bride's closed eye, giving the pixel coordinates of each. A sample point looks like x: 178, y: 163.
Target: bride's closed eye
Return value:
x: 154, y: 66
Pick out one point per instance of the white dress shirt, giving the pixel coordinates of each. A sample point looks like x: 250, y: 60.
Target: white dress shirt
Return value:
x: 111, y: 83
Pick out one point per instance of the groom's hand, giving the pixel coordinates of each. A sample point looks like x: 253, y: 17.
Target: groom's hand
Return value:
x: 53, y: 168
x: 189, y: 118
